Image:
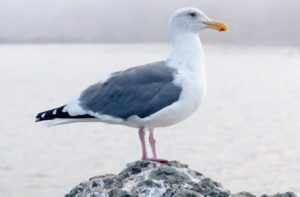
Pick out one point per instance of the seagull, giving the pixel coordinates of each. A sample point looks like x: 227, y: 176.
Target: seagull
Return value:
x: 149, y: 96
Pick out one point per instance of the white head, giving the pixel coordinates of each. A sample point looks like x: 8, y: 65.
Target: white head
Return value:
x: 192, y: 20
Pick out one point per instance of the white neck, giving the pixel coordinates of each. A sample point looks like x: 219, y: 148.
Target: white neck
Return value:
x: 187, y: 52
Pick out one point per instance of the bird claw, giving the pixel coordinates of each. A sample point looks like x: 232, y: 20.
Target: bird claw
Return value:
x: 158, y: 160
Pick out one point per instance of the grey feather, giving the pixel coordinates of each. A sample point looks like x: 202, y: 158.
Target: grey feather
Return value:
x: 141, y: 91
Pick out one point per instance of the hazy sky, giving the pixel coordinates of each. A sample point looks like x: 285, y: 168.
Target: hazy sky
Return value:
x: 252, y: 21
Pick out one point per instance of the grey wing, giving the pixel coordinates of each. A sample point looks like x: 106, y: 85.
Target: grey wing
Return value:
x: 140, y: 91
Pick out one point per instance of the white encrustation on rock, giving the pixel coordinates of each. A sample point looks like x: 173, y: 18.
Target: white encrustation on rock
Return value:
x: 154, y: 179
x: 148, y: 178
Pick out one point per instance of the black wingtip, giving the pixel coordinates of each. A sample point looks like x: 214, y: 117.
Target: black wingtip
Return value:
x: 38, y: 117
x: 57, y: 113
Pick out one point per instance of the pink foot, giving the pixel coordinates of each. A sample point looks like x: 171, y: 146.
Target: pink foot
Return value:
x: 159, y: 160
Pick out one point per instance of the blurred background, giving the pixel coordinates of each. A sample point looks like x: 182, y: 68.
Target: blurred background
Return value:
x: 253, y: 22
x: 245, y: 135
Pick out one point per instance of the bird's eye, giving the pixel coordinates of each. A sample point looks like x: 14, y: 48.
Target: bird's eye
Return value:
x: 192, y: 14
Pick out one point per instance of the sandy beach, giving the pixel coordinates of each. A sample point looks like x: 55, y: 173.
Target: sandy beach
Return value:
x: 245, y: 135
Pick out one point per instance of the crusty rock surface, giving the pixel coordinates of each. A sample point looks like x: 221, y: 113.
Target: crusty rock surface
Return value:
x: 247, y: 194
x: 153, y: 179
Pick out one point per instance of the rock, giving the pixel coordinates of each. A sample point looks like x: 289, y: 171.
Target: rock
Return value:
x: 287, y: 194
x: 246, y: 194
x: 153, y: 179
x: 243, y: 194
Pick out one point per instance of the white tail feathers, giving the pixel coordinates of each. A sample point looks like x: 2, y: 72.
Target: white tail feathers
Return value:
x: 59, y: 121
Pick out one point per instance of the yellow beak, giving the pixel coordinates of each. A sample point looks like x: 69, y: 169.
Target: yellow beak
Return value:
x: 220, y: 26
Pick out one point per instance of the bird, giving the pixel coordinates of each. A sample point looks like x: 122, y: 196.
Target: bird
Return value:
x: 149, y: 96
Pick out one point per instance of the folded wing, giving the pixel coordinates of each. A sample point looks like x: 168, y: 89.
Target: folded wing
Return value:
x: 140, y: 91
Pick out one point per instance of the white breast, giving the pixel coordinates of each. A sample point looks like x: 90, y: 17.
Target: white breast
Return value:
x: 193, y: 91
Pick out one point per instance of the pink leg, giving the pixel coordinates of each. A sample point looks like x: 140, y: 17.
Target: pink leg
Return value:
x: 152, y: 143
x: 153, y: 148
x: 142, y: 139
